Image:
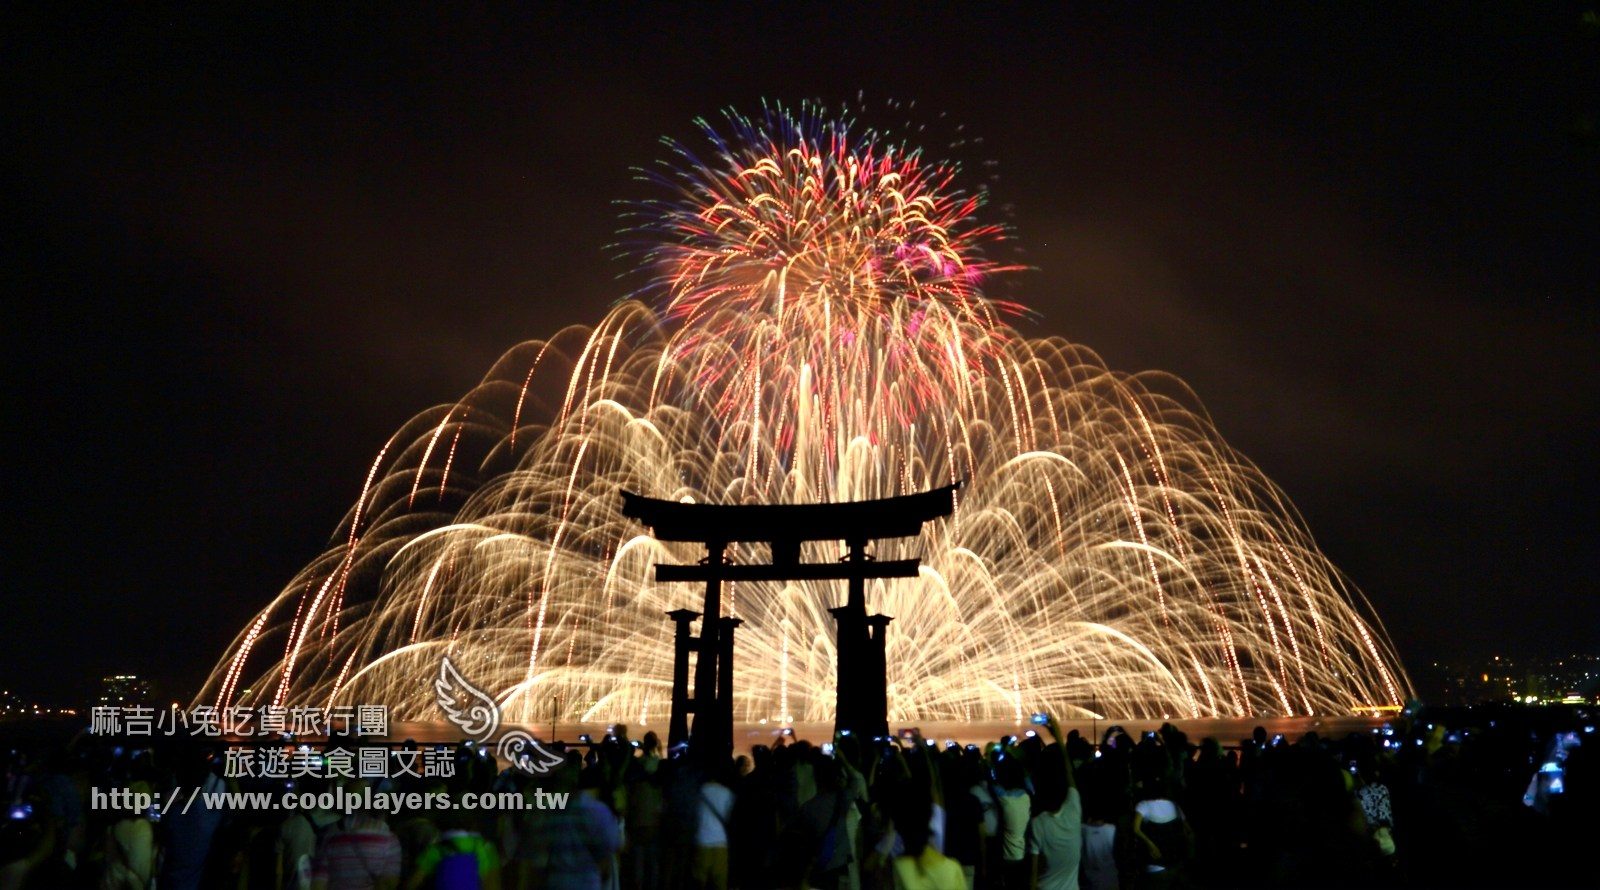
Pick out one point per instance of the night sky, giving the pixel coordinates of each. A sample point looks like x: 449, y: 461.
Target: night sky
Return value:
x: 243, y: 249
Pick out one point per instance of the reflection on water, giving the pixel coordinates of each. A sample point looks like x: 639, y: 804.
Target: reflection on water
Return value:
x: 747, y: 735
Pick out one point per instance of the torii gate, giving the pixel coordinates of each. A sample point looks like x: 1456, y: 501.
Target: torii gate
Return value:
x: 862, y: 702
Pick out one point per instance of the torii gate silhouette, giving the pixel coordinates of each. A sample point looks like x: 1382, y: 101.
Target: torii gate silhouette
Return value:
x: 863, y: 702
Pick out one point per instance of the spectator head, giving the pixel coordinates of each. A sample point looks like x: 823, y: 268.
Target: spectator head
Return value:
x: 1078, y: 748
x: 455, y: 818
x: 1031, y: 745
x: 1050, y: 782
x: 355, y: 789
x: 564, y: 777
x: 1008, y: 772
x: 1177, y: 741
x: 911, y: 810
x: 1155, y: 788
x: 591, y: 779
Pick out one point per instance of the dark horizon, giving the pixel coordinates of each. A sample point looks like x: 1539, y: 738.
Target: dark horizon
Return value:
x: 248, y: 247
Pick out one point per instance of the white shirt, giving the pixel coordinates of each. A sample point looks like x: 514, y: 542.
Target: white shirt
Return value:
x: 716, y: 806
x: 1099, y: 864
x: 1014, y: 807
x: 1058, y: 837
x: 1159, y: 812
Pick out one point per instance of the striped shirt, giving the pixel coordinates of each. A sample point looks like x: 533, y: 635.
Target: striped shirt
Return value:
x: 355, y: 857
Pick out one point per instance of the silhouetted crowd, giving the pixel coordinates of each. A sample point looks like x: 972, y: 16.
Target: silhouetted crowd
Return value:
x: 1505, y: 802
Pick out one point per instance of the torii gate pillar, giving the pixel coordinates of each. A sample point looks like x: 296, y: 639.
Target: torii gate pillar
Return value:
x: 862, y: 688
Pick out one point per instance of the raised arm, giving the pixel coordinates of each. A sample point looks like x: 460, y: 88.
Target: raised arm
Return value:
x: 930, y: 757
x: 1061, y: 743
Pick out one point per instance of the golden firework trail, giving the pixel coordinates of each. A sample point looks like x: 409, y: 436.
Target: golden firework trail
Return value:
x: 817, y: 330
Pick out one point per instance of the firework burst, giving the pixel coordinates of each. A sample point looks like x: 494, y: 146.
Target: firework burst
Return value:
x: 817, y: 330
